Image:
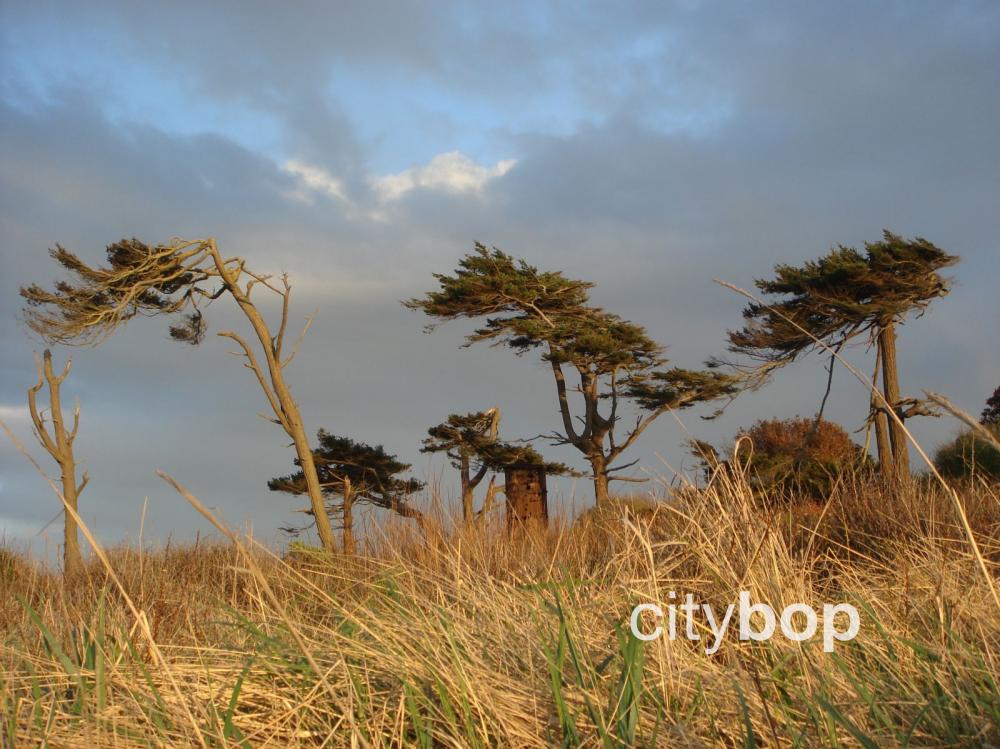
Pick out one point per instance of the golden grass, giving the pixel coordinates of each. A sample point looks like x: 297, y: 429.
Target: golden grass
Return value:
x: 475, y: 638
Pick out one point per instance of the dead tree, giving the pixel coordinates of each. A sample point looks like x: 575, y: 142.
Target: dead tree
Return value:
x: 173, y: 278
x: 58, y: 442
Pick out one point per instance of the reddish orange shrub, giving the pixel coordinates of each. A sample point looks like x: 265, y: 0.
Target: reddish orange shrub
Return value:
x: 801, y: 454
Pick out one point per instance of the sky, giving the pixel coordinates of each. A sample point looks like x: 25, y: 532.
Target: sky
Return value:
x: 360, y: 147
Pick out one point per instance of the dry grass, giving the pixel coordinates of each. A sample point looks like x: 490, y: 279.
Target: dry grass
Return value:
x: 478, y: 639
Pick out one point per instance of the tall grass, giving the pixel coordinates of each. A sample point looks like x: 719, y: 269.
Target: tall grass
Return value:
x: 474, y: 638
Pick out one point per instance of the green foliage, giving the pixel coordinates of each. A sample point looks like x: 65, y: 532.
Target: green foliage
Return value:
x: 468, y: 437
x: 526, y: 308
x: 372, y: 472
x: 677, y: 388
x: 841, y: 295
x: 969, y: 455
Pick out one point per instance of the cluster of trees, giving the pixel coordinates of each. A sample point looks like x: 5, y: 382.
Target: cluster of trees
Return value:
x: 611, y: 379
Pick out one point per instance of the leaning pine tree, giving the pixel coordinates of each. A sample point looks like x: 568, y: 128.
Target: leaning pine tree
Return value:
x: 353, y: 473
x: 142, y: 279
x: 842, y: 296
x: 612, y: 359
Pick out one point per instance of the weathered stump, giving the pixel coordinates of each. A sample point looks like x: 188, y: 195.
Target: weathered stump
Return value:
x: 527, y: 495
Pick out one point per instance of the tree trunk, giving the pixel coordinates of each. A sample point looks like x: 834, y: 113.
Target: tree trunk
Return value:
x: 882, y: 443
x: 60, y: 446
x: 284, y: 405
x: 304, y: 453
x: 348, y: 535
x: 72, y: 557
x: 468, y: 512
x: 890, y: 389
x: 879, y: 421
x: 600, y: 469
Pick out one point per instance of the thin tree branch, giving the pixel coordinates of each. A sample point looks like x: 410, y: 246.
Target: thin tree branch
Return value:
x: 254, y: 367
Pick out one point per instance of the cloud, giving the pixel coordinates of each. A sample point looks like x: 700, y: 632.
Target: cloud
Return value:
x: 13, y: 414
x: 315, y: 179
x: 452, y: 172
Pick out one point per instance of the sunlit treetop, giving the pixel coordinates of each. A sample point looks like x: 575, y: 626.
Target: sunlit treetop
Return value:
x: 842, y: 294
x: 139, y: 279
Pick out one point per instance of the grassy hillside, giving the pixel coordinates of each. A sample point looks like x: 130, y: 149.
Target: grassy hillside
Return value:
x: 477, y: 639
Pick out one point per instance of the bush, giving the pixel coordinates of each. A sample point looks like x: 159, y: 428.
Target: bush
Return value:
x: 968, y: 455
x: 801, y: 455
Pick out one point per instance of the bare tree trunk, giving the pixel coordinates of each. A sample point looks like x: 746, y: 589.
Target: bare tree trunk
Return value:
x: 348, y: 535
x: 488, y: 502
x: 60, y: 446
x: 468, y: 511
x: 304, y: 453
x: 285, y: 407
x: 880, y: 422
x: 890, y: 389
x: 600, y: 469
x: 882, y: 443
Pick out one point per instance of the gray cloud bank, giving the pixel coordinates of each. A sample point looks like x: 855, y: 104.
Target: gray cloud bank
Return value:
x: 653, y: 150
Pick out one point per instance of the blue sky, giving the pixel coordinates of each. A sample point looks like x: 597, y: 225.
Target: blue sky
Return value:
x: 647, y: 147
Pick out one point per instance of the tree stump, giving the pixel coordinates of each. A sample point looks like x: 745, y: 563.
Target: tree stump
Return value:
x: 527, y: 495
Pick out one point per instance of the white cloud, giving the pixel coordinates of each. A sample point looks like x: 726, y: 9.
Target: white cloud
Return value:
x: 13, y: 414
x: 451, y: 172
x: 315, y: 179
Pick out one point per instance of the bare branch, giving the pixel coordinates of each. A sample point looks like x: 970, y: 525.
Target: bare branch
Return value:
x: 978, y: 429
x: 623, y: 466
x: 76, y: 422
x: 298, y: 341
x: 279, y: 339
x: 254, y: 367
x: 571, y: 436
x: 37, y: 420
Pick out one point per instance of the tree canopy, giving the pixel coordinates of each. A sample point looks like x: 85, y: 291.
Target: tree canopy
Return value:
x: 370, y: 473
x: 970, y: 455
x: 615, y: 360
x: 140, y: 279
x: 841, y: 295
x: 467, y: 437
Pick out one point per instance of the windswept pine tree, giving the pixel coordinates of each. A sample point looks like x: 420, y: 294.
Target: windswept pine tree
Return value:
x: 471, y: 442
x: 614, y: 360
x: 170, y: 279
x: 839, y: 297
x: 352, y: 473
